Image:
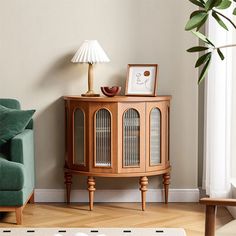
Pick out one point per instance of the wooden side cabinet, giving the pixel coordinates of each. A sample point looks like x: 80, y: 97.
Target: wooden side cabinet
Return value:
x: 117, y: 137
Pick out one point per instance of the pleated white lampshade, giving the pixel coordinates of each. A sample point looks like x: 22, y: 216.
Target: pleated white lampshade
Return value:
x: 90, y: 52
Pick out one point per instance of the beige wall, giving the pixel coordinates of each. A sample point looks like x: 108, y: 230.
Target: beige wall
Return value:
x: 201, y: 96
x: 38, y: 39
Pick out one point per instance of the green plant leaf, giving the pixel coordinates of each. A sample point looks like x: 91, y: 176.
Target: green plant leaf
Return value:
x: 200, y: 4
x: 224, y: 4
x: 227, y: 18
x: 234, y: 12
x: 197, y: 49
x: 221, y: 55
x: 202, y: 23
x: 201, y: 60
x: 210, y: 4
x: 196, y: 20
x: 204, y: 71
x: 196, y: 12
x: 202, y: 37
x: 218, y: 3
x: 218, y: 19
x: 209, y: 42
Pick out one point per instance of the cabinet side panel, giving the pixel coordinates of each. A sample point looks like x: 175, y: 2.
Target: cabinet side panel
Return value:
x: 156, y: 136
x: 79, y: 137
x: 66, y: 133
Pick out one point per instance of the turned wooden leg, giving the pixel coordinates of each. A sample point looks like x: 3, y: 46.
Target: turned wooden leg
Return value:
x: 166, y: 183
x: 91, y: 189
x: 31, y: 200
x: 68, y: 183
x: 19, y: 215
x: 143, y: 188
x: 210, y: 220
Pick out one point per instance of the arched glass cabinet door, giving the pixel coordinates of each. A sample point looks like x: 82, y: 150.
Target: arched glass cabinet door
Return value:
x: 79, y: 137
x: 131, y: 138
x: 103, y: 138
x: 155, y: 137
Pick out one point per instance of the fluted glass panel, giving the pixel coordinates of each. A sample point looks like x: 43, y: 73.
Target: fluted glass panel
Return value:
x: 79, y: 137
x: 103, y: 138
x: 131, y: 138
x: 155, y: 137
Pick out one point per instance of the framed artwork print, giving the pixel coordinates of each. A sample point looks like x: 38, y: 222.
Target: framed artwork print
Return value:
x: 141, y: 80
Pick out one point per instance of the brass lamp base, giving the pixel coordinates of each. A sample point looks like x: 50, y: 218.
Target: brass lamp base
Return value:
x: 90, y: 94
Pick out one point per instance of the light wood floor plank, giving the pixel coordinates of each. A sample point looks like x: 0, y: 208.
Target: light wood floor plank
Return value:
x: 189, y: 216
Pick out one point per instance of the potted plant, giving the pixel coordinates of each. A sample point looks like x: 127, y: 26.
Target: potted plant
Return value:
x: 198, y: 18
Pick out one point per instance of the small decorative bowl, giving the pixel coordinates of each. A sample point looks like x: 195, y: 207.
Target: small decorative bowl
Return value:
x: 111, y: 91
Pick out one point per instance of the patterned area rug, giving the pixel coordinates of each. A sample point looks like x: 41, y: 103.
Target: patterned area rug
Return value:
x: 92, y: 232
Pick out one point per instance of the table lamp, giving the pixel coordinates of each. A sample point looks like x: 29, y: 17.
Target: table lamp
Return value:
x: 90, y: 52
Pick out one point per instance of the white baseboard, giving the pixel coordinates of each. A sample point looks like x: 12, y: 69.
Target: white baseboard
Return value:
x: 121, y: 195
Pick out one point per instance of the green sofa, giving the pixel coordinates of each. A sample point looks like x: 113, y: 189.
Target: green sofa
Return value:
x: 17, y: 173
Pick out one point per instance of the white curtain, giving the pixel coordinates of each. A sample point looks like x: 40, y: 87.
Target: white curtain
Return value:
x: 233, y: 130
x: 218, y: 118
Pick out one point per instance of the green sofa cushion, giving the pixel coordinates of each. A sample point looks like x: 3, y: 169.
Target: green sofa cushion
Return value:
x: 12, y: 122
x: 11, y: 175
x: 10, y: 103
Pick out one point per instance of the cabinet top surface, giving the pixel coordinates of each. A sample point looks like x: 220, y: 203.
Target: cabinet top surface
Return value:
x: 119, y: 98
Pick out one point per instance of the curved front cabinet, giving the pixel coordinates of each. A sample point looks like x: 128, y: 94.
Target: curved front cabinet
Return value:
x: 117, y: 138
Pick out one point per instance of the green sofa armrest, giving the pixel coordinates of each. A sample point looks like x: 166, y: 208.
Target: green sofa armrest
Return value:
x: 11, y: 175
x: 22, y: 151
x: 22, y: 147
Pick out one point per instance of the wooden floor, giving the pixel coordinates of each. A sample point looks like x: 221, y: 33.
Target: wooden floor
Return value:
x: 189, y: 216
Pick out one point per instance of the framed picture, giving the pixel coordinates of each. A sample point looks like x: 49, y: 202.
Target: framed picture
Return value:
x: 141, y: 80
